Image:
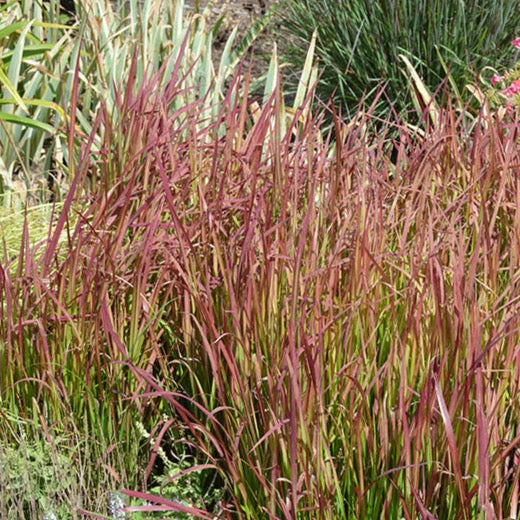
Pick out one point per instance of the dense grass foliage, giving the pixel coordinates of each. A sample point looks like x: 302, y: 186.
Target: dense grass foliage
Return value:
x: 35, y: 54
x: 234, y: 313
x: 319, y: 341
x: 359, y: 43
x: 39, y: 55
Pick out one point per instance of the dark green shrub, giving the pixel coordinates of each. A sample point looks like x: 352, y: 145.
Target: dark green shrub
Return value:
x: 358, y: 43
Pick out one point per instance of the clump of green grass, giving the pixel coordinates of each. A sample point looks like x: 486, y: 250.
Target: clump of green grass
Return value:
x: 359, y: 43
x: 33, y: 221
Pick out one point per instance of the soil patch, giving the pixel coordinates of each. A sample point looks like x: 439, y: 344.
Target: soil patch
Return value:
x: 241, y: 14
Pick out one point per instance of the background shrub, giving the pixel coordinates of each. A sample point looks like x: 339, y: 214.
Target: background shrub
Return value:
x: 358, y: 43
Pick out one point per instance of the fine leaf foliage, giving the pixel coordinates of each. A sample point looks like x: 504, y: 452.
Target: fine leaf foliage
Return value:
x: 306, y: 328
x: 358, y: 44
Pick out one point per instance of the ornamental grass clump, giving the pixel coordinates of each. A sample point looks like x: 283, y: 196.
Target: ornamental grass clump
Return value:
x: 46, y: 66
x: 333, y: 344
x: 359, y: 44
x: 311, y: 338
x: 341, y: 346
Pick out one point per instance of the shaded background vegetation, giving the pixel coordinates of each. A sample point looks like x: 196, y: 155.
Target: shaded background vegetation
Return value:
x: 359, y: 42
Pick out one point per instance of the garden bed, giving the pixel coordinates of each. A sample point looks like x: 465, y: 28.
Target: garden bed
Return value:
x: 244, y: 307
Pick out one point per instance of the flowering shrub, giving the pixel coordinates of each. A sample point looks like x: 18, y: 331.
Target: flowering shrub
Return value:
x: 507, y: 86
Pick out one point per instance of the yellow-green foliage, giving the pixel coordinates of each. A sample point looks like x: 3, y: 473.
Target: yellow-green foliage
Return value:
x: 12, y: 219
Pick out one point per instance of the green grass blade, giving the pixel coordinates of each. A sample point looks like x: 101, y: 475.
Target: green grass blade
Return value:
x: 4, y: 80
x: 305, y: 78
x: 13, y: 72
x: 26, y: 121
x: 418, y: 87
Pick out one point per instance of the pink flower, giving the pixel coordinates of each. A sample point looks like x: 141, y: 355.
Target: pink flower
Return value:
x: 513, y: 89
x: 516, y: 43
x: 496, y: 79
x: 515, y: 86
